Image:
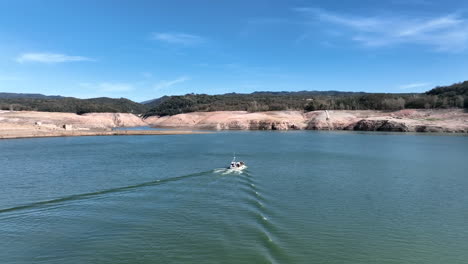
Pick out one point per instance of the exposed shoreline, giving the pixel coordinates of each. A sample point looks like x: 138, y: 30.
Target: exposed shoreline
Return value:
x: 34, y: 134
x: 409, y: 120
x: 30, y: 124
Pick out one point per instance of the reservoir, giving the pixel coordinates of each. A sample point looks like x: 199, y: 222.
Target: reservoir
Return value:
x: 306, y: 197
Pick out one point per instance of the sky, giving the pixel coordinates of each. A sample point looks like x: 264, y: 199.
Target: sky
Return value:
x: 146, y: 49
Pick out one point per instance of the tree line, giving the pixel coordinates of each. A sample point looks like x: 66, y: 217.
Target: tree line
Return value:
x: 73, y: 105
x: 454, y: 96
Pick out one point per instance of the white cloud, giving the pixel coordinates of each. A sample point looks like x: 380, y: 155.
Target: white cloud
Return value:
x: 413, y: 86
x: 444, y: 33
x: 49, y: 58
x: 178, y: 38
x: 167, y: 84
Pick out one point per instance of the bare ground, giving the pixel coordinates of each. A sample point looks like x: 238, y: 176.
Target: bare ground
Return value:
x: 19, y: 124
x: 23, y: 124
x: 421, y: 120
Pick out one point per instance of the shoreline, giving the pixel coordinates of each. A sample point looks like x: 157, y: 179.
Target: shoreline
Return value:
x: 178, y: 131
x: 43, y: 134
x: 31, y: 124
x: 409, y: 120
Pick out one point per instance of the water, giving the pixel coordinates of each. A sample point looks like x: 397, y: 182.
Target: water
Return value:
x: 306, y: 197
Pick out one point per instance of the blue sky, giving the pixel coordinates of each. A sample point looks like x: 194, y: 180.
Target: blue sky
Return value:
x: 145, y: 49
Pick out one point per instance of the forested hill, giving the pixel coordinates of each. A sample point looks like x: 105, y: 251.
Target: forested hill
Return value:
x: 453, y: 96
x: 73, y: 105
x: 27, y: 95
x: 458, y: 89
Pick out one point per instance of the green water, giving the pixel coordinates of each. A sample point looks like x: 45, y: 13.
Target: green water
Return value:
x: 306, y: 197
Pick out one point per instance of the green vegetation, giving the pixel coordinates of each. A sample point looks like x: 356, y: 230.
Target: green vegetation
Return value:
x: 26, y: 95
x: 73, y: 105
x: 456, y: 94
x: 452, y: 90
x: 453, y: 96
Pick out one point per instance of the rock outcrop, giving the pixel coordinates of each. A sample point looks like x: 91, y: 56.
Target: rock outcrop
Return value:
x: 112, y: 120
x: 320, y: 120
x: 454, y: 120
x: 380, y: 125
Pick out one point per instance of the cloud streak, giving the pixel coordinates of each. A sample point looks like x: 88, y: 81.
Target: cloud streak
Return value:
x: 167, y: 84
x: 49, y: 58
x: 444, y: 33
x: 178, y: 38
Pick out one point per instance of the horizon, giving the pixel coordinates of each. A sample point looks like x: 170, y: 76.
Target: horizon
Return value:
x: 152, y: 99
x: 145, y: 51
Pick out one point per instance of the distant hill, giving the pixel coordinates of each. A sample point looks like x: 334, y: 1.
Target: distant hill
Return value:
x: 27, y: 95
x: 310, y: 101
x: 155, y: 102
x: 257, y: 101
x: 453, y: 96
x: 310, y: 93
x: 457, y: 89
x: 73, y: 105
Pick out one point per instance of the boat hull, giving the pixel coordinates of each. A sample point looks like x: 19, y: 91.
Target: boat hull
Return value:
x: 241, y: 168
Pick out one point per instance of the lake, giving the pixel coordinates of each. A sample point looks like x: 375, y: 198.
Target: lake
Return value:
x: 306, y: 197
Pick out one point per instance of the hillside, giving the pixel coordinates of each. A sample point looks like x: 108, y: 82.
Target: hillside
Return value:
x: 73, y: 105
x: 27, y: 95
x: 155, y: 102
x: 453, y: 96
x: 309, y: 101
x: 457, y: 89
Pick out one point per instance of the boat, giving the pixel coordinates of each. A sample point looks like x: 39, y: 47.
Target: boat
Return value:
x: 237, y: 165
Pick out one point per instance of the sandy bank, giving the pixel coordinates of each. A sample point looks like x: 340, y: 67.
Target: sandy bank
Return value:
x: 26, y: 124
x: 53, y: 120
x: 444, y: 120
x: 42, y: 124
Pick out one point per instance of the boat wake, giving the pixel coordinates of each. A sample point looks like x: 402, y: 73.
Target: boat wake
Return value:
x: 224, y: 171
x: 265, y: 226
x: 220, y: 171
x: 101, y: 192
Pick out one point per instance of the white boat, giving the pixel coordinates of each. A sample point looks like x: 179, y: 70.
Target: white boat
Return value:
x: 237, y: 165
